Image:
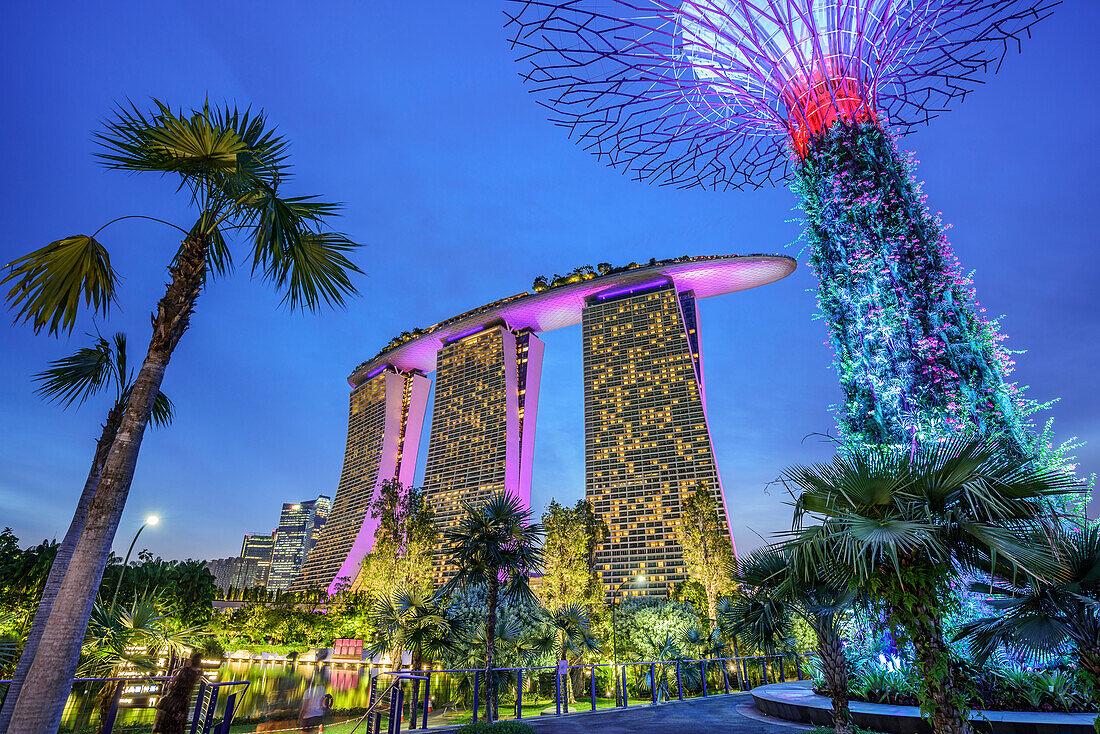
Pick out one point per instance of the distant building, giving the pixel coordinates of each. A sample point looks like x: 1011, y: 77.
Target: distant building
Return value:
x: 257, y: 547
x: 229, y: 572
x: 299, y: 528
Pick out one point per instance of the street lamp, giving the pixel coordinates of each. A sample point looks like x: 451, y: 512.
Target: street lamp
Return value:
x: 150, y: 520
x: 615, y: 634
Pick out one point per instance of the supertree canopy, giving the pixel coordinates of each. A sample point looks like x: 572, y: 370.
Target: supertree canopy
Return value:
x: 741, y: 93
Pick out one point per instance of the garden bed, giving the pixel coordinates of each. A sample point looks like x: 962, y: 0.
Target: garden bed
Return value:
x: 796, y: 701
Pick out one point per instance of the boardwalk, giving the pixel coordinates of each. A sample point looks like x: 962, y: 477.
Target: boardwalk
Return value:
x: 732, y: 713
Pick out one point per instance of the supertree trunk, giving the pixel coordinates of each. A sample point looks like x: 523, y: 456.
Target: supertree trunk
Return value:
x: 916, y: 359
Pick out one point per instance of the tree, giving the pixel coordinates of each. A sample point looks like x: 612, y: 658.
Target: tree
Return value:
x: 232, y: 167
x: 569, y: 556
x: 763, y: 616
x: 708, y: 550
x: 68, y: 381
x: 1040, y: 616
x: 494, y: 544
x: 401, y: 557
x: 905, y: 526
x: 573, y: 629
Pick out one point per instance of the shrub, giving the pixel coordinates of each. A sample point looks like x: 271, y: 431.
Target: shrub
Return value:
x: 500, y: 727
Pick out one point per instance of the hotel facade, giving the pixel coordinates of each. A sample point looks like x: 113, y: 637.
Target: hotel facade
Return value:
x: 647, y: 438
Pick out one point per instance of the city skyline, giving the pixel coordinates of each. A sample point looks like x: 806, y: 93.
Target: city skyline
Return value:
x: 471, y: 194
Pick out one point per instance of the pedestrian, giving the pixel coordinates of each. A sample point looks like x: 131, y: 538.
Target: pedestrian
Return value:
x: 175, y: 699
x: 313, y: 703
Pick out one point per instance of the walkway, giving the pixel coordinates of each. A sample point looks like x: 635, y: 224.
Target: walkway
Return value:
x: 714, y: 715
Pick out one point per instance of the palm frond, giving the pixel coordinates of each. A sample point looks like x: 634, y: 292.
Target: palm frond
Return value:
x: 168, y: 142
x: 50, y: 282
x: 75, y: 378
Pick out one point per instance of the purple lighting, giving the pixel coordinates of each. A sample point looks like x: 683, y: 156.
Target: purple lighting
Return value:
x: 633, y: 288
x: 464, y: 334
x: 561, y: 306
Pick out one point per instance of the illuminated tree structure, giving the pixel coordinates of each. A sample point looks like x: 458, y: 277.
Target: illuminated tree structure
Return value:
x: 740, y: 93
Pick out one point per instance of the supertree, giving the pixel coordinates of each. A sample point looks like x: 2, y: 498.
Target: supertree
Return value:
x: 742, y: 93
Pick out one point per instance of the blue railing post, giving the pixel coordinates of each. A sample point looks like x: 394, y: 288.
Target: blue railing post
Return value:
x: 427, y: 698
x: 703, y: 670
x: 227, y: 719
x: 519, y: 693
x: 653, y: 681
x: 764, y: 667
x: 626, y: 701
x: 477, y: 688
x: 557, y: 688
x: 679, y: 681
x: 109, y: 723
x: 593, y: 686
x: 782, y: 675
x: 198, y: 706
x: 798, y: 665
x: 208, y: 715
x: 725, y: 675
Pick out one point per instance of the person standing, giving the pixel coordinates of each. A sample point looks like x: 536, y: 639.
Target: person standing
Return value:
x: 171, y: 717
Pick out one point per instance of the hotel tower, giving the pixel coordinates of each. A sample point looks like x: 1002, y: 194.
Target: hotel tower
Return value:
x: 384, y: 422
x: 647, y: 442
x: 483, y: 424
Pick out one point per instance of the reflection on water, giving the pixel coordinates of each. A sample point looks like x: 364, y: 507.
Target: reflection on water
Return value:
x: 277, y: 686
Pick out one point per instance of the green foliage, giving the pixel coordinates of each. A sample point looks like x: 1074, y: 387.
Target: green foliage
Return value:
x: 904, y: 527
x: 569, y: 556
x: 414, y: 621
x: 499, y: 727
x: 403, y: 543
x: 708, y: 550
x: 49, y: 283
x: 643, y: 625
x: 186, y: 587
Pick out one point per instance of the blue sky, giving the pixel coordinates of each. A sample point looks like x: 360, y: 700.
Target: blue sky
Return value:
x: 413, y: 115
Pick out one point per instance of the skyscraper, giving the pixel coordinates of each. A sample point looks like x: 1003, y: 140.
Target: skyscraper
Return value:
x: 647, y: 442
x: 258, y: 548
x: 386, y: 408
x: 299, y: 527
x: 483, y: 423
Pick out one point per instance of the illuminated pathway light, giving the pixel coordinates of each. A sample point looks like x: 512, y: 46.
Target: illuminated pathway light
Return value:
x: 741, y: 93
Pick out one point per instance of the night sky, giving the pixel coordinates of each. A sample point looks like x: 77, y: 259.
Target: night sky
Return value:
x: 413, y: 114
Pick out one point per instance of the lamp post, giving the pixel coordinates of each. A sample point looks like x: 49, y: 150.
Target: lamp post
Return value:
x: 151, y: 520
x: 615, y: 634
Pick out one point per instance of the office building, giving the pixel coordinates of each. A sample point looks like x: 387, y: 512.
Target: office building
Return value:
x: 258, y: 548
x: 300, y: 525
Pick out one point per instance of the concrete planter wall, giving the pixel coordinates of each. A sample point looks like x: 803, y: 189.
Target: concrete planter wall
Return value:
x: 796, y: 701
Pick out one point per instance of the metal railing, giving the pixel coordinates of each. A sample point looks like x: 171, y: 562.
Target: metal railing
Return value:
x: 663, y: 680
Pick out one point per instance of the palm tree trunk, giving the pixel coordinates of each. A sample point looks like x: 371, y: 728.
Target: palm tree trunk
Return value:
x: 42, y: 699
x: 490, y: 636
x: 834, y: 667
x: 941, y: 692
x: 60, y: 565
x: 712, y: 606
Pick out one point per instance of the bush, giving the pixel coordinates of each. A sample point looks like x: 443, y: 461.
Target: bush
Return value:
x: 500, y: 727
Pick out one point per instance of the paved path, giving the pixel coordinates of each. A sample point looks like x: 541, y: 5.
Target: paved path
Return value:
x: 711, y: 715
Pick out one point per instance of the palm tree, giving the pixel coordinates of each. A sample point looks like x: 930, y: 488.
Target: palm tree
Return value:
x: 68, y: 381
x: 1039, y: 616
x: 573, y: 629
x: 764, y: 614
x: 494, y: 544
x: 413, y: 620
x: 132, y: 635
x: 232, y: 167
x: 905, y: 528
